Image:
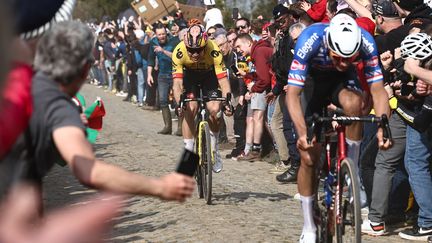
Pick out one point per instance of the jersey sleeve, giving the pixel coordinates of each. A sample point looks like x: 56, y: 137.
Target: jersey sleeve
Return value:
x: 370, y: 58
x: 307, y: 46
x: 177, y: 61
x: 218, y: 62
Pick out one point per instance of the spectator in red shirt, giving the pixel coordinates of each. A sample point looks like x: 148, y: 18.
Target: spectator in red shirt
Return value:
x: 316, y: 11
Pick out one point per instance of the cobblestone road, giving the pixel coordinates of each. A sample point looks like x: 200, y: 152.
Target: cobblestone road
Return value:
x: 248, y: 206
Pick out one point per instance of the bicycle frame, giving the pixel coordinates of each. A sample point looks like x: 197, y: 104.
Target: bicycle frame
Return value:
x: 333, y: 181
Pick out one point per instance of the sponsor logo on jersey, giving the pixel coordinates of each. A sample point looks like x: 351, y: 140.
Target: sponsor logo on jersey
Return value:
x: 214, y: 53
x: 296, y: 65
x: 372, y: 62
x: 369, y: 46
x: 307, y: 46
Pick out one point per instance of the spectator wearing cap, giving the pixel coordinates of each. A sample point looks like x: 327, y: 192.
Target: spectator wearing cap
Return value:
x: 285, y: 19
x: 387, y: 20
x: 213, y: 15
x: 418, y: 15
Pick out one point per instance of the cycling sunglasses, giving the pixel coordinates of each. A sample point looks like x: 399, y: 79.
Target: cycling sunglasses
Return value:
x: 339, y: 58
x: 195, y: 50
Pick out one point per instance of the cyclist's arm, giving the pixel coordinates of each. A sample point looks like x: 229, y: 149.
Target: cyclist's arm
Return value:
x: 293, y: 103
x: 374, y: 78
x: 177, y: 67
x: 221, y: 73
x: 225, y: 86
x: 177, y: 88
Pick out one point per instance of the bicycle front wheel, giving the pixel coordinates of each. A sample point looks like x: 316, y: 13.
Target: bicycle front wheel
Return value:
x: 206, y: 160
x: 348, y: 229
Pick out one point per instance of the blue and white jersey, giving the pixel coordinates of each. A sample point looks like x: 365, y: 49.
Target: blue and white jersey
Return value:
x: 311, y: 51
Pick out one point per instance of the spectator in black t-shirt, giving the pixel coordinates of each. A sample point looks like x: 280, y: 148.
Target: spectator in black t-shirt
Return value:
x: 57, y: 131
x: 387, y: 20
x: 418, y: 15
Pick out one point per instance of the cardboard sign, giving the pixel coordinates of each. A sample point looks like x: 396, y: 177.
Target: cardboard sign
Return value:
x: 153, y: 10
x: 190, y: 12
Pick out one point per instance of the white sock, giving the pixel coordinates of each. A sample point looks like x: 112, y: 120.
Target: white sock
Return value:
x: 189, y: 144
x: 214, y: 138
x: 354, y: 154
x: 307, y: 203
x: 248, y: 147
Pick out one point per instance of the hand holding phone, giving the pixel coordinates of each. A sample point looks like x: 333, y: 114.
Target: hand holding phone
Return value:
x: 188, y: 163
x: 235, y: 69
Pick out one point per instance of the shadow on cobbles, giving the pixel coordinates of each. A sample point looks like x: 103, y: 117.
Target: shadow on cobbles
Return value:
x: 125, y: 230
x: 128, y: 216
x: 98, y: 146
x: 239, y: 197
x: 101, y: 155
x: 129, y: 239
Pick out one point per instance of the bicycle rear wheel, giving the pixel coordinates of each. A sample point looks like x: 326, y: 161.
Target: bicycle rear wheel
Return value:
x: 349, y: 228
x: 206, y: 164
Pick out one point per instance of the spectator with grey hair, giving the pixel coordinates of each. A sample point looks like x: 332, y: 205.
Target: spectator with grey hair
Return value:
x: 63, y: 60
x: 235, y: 125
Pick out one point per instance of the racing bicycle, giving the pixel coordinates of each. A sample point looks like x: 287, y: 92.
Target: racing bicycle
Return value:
x: 203, y: 174
x: 337, y: 206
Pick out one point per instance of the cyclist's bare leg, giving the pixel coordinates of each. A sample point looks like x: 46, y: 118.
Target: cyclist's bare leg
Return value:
x: 214, y: 108
x: 306, y: 182
x: 188, y: 126
x: 307, y: 171
x: 351, y: 102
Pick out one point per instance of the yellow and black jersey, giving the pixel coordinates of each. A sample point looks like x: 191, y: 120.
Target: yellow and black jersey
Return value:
x: 211, y: 61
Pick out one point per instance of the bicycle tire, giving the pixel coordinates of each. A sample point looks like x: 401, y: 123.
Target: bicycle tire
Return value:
x: 198, y: 176
x: 206, y: 165
x: 322, y: 219
x: 350, y: 206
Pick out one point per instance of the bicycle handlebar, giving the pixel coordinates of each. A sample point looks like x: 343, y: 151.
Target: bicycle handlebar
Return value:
x: 184, y: 100
x: 346, y: 120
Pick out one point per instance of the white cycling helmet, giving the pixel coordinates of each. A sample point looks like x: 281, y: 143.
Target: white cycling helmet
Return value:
x: 343, y: 36
x: 209, y: 2
x: 417, y: 46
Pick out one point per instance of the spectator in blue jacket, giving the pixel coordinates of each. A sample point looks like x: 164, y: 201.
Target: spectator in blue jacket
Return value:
x: 161, y: 47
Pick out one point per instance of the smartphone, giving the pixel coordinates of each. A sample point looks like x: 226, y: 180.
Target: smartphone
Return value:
x: 234, y: 68
x: 188, y: 163
x: 235, y: 13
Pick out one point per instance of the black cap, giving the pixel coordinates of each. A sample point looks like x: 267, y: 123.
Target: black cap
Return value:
x: 33, y: 18
x: 385, y: 8
x: 280, y: 10
x: 408, y: 5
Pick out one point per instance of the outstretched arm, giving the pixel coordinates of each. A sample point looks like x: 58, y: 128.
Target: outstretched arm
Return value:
x: 78, y: 154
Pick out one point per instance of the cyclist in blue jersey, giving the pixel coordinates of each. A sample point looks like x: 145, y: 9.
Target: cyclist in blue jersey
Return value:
x: 329, y: 54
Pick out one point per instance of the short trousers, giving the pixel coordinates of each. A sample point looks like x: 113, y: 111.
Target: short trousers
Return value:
x: 193, y: 79
x: 257, y: 102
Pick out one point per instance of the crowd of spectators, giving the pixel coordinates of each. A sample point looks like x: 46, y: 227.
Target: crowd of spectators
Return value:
x: 132, y: 60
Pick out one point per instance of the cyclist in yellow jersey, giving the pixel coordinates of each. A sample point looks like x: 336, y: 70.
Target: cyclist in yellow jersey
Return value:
x: 197, y: 60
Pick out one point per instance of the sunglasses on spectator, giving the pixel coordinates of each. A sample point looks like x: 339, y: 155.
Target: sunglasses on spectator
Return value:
x: 195, y: 50
x: 241, y: 27
x: 339, y: 58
